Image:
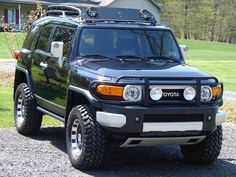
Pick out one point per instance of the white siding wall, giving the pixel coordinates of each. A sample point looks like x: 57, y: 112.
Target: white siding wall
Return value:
x: 136, y: 4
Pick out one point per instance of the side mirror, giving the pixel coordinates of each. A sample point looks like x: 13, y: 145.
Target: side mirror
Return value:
x: 184, y: 50
x: 57, y: 49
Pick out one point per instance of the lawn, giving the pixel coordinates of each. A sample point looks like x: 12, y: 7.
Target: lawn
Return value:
x: 14, y: 40
x: 218, y: 59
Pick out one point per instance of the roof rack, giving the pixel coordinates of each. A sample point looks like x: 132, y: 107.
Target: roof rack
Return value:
x: 102, y: 14
x: 63, y: 11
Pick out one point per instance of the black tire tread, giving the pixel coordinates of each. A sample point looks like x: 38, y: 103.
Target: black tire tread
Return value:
x: 93, y: 138
x: 33, y: 118
x: 205, y: 152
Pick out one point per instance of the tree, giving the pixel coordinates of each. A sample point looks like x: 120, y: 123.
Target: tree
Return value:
x: 202, y: 19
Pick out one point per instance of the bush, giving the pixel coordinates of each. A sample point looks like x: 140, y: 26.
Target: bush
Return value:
x: 1, y: 29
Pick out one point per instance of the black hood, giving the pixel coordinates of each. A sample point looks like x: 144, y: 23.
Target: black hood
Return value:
x: 116, y: 68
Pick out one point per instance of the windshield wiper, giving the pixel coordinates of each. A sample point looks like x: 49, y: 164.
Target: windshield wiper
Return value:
x: 130, y: 57
x: 162, y: 58
x: 95, y: 57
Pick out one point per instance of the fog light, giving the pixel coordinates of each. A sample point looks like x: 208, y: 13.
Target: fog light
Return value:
x: 206, y: 93
x: 156, y: 94
x: 189, y: 93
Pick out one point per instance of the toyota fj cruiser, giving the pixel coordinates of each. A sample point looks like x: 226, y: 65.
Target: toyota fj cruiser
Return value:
x: 114, y: 75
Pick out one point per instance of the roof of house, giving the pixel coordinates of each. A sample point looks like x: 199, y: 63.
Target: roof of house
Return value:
x: 81, y: 2
x: 107, y: 2
x: 49, y: 2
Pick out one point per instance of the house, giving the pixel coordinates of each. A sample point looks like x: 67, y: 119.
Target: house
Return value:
x: 16, y: 12
x: 150, y: 5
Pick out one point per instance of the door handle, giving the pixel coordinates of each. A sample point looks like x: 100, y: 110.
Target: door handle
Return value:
x: 44, y: 65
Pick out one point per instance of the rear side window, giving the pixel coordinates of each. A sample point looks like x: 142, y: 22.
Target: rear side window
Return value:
x: 43, y: 39
x: 63, y: 34
x: 31, y: 37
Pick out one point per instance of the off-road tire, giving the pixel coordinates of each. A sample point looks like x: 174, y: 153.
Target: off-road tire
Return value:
x: 32, y: 118
x: 205, y: 152
x: 93, y: 138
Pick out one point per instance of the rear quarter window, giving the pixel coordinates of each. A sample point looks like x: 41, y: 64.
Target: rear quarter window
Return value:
x: 31, y: 38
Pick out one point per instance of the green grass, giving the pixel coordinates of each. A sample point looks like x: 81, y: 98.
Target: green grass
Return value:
x: 206, y: 50
x: 10, y: 42
x: 218, y: 59
x: 6, y: 110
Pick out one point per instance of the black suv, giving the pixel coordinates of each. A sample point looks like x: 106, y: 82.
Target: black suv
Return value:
x: 113, y: 76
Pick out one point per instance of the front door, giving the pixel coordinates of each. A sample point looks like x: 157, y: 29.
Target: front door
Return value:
x: 50, y: 73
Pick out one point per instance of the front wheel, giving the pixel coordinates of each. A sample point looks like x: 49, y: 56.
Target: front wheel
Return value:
x: 85, y: 138
x: 205, y: 152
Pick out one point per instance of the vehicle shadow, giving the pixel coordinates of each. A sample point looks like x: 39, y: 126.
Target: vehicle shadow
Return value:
x: 149, y: 161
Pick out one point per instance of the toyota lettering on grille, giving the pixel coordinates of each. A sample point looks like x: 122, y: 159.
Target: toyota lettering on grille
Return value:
x: 170, y: 94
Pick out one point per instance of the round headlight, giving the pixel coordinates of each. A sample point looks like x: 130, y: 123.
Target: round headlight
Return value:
x: 132, y: 93
x: 156, y: 94
x: 189, y: 93
x: 206, y: 93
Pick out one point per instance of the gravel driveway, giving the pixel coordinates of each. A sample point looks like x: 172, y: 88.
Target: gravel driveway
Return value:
x: 45, y: 155
x: 7, y: 65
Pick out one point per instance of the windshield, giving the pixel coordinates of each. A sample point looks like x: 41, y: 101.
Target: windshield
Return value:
x: 129, y: 42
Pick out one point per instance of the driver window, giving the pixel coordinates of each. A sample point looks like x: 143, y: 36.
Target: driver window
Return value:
x: 65, y: 35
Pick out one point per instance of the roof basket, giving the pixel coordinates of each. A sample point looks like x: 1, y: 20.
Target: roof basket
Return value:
x: 103, y: 14
x: 61, y: 10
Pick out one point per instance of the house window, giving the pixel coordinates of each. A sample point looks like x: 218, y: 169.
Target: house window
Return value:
x: 11, y: 16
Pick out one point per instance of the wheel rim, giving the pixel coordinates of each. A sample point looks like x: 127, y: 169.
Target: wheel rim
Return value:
x: 20, y: 111
x: 76, y: 139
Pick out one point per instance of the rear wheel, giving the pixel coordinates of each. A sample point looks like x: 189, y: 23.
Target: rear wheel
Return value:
x: 205, y: 152
x: 27, y: 119
x: 85, y: 138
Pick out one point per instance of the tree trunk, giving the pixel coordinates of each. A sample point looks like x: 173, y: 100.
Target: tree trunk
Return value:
x: 186, y: 6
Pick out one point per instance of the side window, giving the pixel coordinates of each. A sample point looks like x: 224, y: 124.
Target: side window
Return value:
x: 31, y: 37
x: 169, y: 47
x: 65, y: 35
x: 43, y: 39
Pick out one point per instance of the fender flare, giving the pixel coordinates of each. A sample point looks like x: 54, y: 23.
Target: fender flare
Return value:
x: 27, y: 77
x: 85, y: 93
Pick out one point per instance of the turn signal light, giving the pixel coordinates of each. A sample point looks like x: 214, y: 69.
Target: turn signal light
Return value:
x: 216, y: 90
x: 109, y: 90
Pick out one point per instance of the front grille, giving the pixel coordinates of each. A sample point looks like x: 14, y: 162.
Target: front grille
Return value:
x: 173, y: 117
x: 176, y: 84
x: 172, y: 95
